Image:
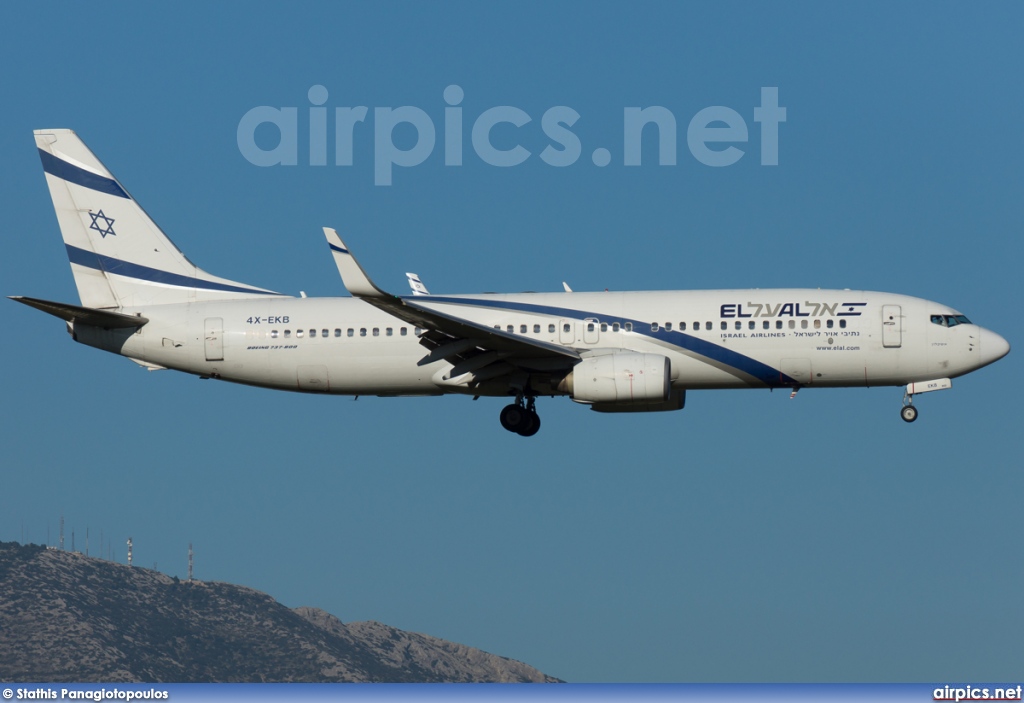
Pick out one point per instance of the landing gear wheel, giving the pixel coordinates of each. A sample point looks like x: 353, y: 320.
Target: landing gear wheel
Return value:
x: 531, y: 425
x: 908, y: 413
x: 521, y: 417
x: 512, y: 417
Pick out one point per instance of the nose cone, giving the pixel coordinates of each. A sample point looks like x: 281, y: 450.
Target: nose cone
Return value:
x: 993, y: 347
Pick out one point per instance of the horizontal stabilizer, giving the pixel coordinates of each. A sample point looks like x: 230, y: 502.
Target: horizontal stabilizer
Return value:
x: 86, y: 316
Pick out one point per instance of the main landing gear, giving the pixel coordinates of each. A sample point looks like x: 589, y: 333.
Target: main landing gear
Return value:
x: 521, y: 417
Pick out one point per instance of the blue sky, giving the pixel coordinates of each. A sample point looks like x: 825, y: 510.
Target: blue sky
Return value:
x: 747, y: 538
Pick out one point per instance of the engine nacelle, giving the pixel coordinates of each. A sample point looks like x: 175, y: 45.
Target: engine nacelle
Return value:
x: 676, y: 401
x: 625, y: 379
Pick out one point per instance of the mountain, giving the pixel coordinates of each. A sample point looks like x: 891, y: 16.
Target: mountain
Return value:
x: 68, y: 617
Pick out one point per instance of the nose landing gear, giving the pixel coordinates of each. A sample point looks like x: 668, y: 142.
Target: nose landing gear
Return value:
x: 521, y: 417
x: 908, y: 413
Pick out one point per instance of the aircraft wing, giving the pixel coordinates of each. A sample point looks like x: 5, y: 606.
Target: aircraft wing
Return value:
x: 448, y: 336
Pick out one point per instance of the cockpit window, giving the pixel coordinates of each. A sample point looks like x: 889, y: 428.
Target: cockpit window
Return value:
x: 950, y: 320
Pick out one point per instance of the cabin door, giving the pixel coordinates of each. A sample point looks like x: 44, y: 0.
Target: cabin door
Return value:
x: 214, y: 336
x: 892, y: 326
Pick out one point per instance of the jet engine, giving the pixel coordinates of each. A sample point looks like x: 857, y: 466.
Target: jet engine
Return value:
x: 622, y: 382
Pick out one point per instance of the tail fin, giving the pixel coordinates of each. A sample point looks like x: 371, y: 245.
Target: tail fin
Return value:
x: 119, y: 257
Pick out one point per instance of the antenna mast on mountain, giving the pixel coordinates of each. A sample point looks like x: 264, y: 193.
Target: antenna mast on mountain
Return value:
x: 129, y: 551
x: 190, y: 562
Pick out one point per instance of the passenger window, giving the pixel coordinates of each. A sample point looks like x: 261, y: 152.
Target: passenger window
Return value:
x: 362, y: 331
x: 551, y: 329
x: 668, y: 326
x: 351, y: 332
x: 590, y: 327
x: 536, y: 329
x: 615, y: 327
x: 817, y: 324
x: 510, y: 328
x: 403, y: 331
x: 337, y: 331
x: 312, y: 333
x: 829, y: 322
x: 287, y: 334
x: 751, y: 325
x: 273, y: 334
x: 376, y: 331
x: 566, y: 327
x: 389, y: 331
x: 654, y: 327
x: 778, y: 324
x: 739, y: 325
x: 725, y: 325
x: 803, y: 324
x: 298, y: 334
x: 682, y: 325
x: 417, y: 331
x: 842, y: 324
x: 629, y: 326
x: 766, y: 325
x: 792, y: 324
x: 325, y: 333
x: 604, y: 326
x: 522, y: 329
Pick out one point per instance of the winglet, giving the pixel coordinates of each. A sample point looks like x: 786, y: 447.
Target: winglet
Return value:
x: 352, y: 274
x: 417, y: 285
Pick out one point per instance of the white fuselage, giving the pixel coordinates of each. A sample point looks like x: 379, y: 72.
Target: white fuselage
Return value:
x: 713, y: 339
x: 616, y: 352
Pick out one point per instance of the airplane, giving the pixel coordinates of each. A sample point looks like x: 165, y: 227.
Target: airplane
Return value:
x: 637, y: 351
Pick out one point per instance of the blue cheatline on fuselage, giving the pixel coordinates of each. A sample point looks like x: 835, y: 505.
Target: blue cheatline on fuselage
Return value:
x: 731, y: 361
